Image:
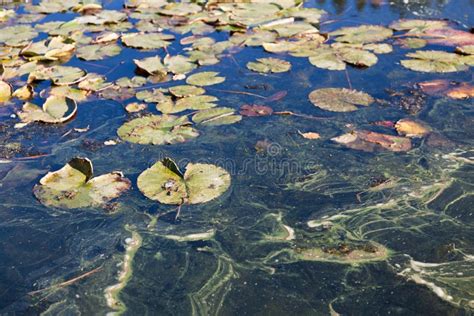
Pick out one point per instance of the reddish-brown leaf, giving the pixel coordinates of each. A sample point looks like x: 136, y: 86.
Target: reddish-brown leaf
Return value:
x: 276, y: 97
x: 255, y: 110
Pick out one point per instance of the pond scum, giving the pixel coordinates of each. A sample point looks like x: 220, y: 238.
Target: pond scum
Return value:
x: 353, y: 188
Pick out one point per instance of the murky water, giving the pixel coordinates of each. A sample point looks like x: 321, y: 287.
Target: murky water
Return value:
x: 307, y: 226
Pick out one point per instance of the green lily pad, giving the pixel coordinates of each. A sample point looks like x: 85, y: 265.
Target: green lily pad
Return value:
x: 417, y: 26
x: 17, y: 36
x: 59, y: 75
x: 49, y: 50
x: 198, y: 102
x: 147, y: 40
x: 134, y: 82
x: 206, y: 78
x: 157, y: 130
x: 186, y: 91
x: 97, y: 51
x: 339, y: 100
x: 154, y: 95
x: 179, y: 64
x: 56, y: 109
x: 466, y: 49
x: 163, y: 182
x: 357, y: 57
x: 151, y: 65
x: 93, y: 82
x: 327, y: 58
x: 216, y: 116
x: 267, y: 65
x: 434, y: 61
x: 362, y: 34
x: 73, y: 186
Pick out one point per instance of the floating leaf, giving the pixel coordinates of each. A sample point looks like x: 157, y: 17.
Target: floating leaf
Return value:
x: 98, y: 52
x: 55, y: 110
x: 157, y: 130
x: 151, y: 65
x: 186, y: 91
x: 5, y: 91
x: 465, y: 49
x: 49, y: 50
x: 17, y: 36
x: 23, y: 93
x: 448, y: 37
x: 207, y: 78
x: 60, y: 75
x: 266, y: 65
x: 135, y: 107
x: 434, y: 61
x: 339, y: 100
x: 310, y: 135
x: 417, y: 26
x: 134, y: 82
x: 344, y: 255
x: 357, y: 57
x: 200, y: 183
x: 372, y: 141
x: 362, y: 34
x: 255, y: 110
x: 93, y: 82
x: 147, y: 40
x: 179, y: 64
x: 73, y: 186
x: 216, y: 116
x: 411, y: 128
x: 198, y: 102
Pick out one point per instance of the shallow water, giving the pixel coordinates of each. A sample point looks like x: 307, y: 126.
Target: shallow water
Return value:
x: 256, y: 248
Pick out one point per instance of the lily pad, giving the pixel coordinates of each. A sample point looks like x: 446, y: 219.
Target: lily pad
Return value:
x: 179, y: 64
x: 98, y: 52
x: 186, y: 91
x: 59, y: 75
x: 198, y: 102
x: 17, y: 36
x: 157, y: 130
x: 417, y: 26
x: 267, y: 65
x: 362, y: 34
x: 216, y: 116
x: 255, y: 110
x: 434, y: 61
x: 339, y: 100
x: 49, y: 50
x: 207, y: 78
x: 411, y: 128
x: 151, y: 65
x: 5, y: 91
x: 200, y: 183
x: 55, y: 110
x: 372, y: 141
x: 73, y: 186
x: 147, y: 40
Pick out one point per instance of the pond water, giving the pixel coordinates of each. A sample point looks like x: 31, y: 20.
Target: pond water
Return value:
x: 376, y: 221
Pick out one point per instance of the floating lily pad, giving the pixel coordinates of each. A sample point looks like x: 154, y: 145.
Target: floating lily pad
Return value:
x: 157, y: 130
x: 344, y: 255
x: 147, y: 40
x: 55, y: 110
x: 216, y: 116
x: 49, y: 50
x: 5, y: 91
x: 417, y: 26
x: 154, y: 95
x: 255, y: 110
x: 93, y: 82
x: 73, y: 186
x: 267, y: 65
x: 17, y: 36
x: 372, y: 141
x: 207, y: 78
x: 179, y: 64
x: 134, y: 82
x: 362, y: 34
x: 411, y: 128
x: 434, y: 61
x: 186, y: 91
x: 60, y: 75
x: 98, y: 52
x: 200, y: 183
x: 151, y: 65
x: 339, y: 100
x: 198, y: 102
x: 466, y: 49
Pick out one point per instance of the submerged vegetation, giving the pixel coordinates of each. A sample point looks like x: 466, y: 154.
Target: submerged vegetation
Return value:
x: 323, y: 161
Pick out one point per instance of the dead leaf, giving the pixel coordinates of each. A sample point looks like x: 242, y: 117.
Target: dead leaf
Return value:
x: 310, y: 135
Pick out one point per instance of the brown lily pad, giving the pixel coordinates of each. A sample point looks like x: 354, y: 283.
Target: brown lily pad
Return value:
x: 255, y: 110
